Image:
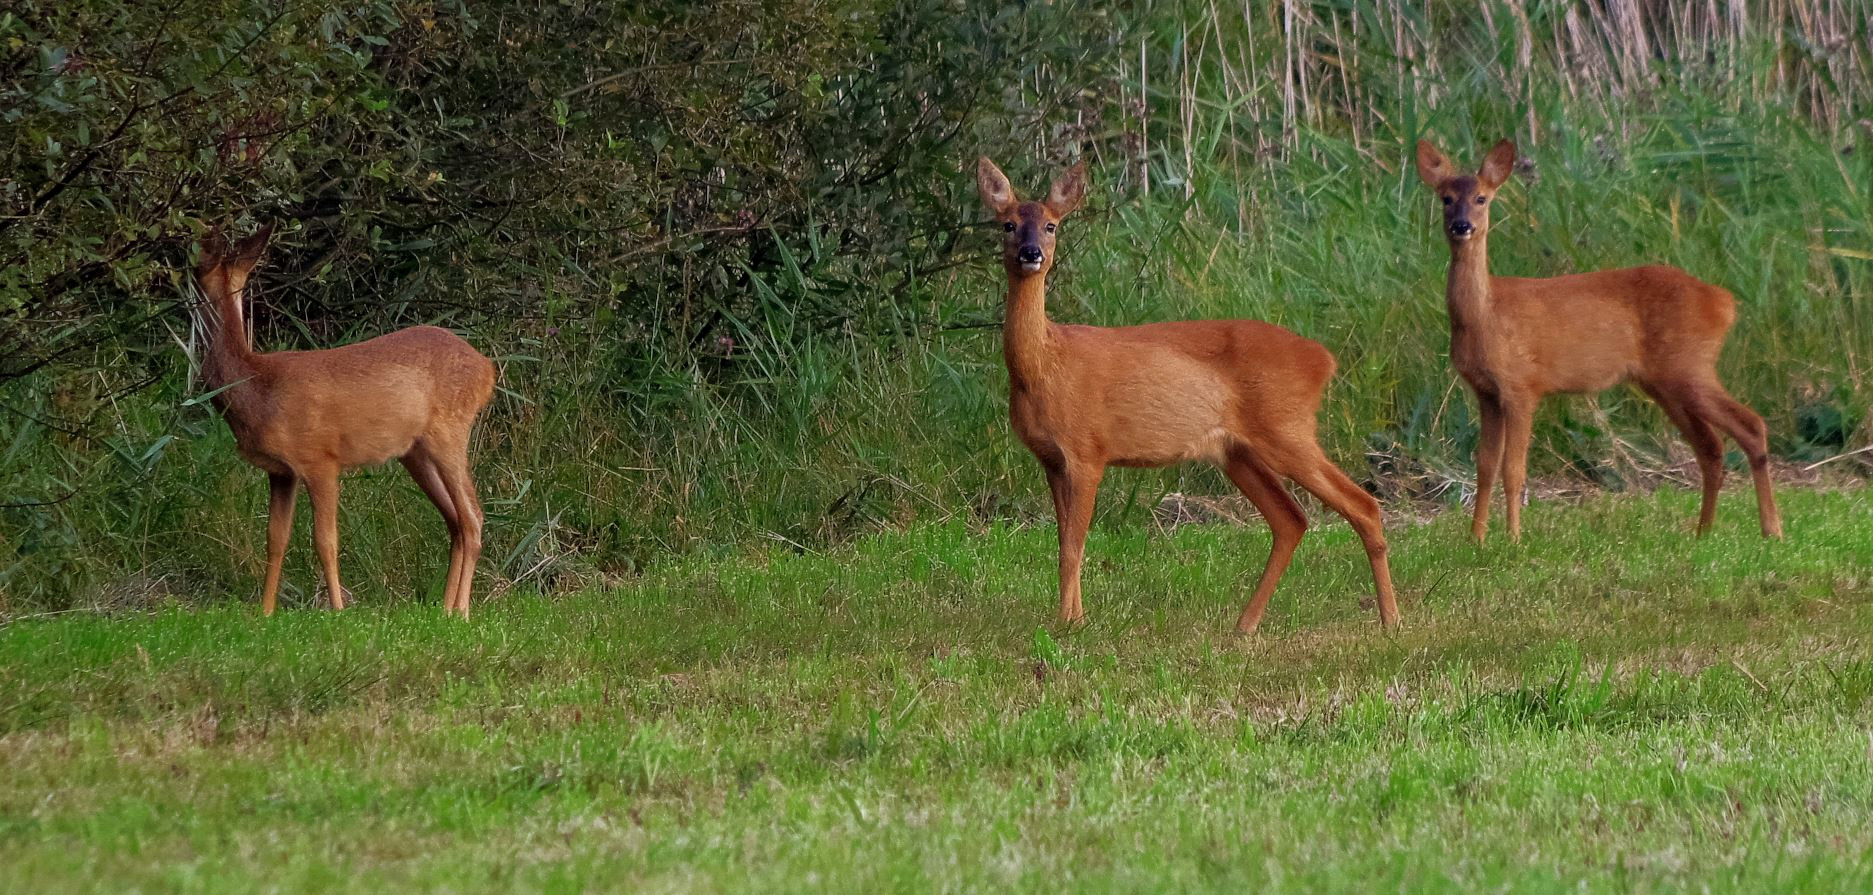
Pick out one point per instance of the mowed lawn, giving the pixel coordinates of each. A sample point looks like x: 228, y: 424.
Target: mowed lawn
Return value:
x: 1611, y: 702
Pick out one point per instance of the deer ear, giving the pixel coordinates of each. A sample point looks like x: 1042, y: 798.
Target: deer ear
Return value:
x: 997, y: 193
x: 1433, y: 167
x: 1498, y: 165
x: 211, y: 274
x: 214, y: 250
x: 1068, y: 191
x: 247, y: 252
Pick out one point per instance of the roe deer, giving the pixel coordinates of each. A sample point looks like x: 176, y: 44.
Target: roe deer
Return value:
x: 305, y: 415
x: 1516, y: 340
x: 1242, y: 394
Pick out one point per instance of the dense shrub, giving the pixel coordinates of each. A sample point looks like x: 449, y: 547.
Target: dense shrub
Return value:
x: 622, y: 167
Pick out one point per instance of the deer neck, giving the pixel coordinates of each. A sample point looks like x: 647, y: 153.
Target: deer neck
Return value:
x: 1467, y: 293
x: 230, y: 357
x: 1027, y: 343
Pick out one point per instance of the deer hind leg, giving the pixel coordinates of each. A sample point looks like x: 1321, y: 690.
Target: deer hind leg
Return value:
x: 1076, y: 489
x: 1752, y: 435
x: 1286, y: 523
x: 472, y: 523
x: 1518, y: 425
x: 1312, y: 470
x: 422, y: 468
x: 451, y: 463
x: 282, y: 491
x: 1704, y: 443
x: 1488, y: 461
x: 322, y: 487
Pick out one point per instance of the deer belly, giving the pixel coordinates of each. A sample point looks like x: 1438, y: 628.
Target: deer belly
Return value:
x: 1600, y: 350
x: 1588, y: 382
x: 1590, y: 372
x: 1166, y: 419
x: 373, y: 451
x: 378, y: 437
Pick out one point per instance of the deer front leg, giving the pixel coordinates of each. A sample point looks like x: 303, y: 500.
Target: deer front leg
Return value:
x: 322, y: 487
x: 1518, y: 424
x: 1488, y: 461
x: 282, y: 489
x: 1075, y: 488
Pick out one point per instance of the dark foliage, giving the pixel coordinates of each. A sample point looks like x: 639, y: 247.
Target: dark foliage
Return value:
x: 620, y: 171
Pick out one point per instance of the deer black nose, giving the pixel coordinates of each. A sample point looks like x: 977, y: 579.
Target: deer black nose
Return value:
x: 1029, y: 255
x: 1461, y: 228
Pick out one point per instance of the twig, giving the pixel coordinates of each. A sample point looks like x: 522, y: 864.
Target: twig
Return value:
x: 1817, y: 465
x: 39, y: 503
x: 22, y: 618
x: 1752, y: 678
x: 1434, y: 585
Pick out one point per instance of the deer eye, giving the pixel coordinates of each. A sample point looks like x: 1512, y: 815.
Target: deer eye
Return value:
x: 1446, y: 200
x: 1050, y: 228
x: 1008, y: 226
x: 1480, y: 200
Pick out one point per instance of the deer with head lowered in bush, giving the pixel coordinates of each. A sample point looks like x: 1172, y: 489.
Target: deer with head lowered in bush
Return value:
x: 303, y: 416
x: 1242, y: 394
x: 1516, y: 340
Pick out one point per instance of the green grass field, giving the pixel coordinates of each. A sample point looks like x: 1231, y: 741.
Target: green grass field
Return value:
x: 1610, y: 706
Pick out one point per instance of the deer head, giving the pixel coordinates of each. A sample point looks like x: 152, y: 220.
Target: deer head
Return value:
x: 1028, y: 228
x: 224, y: 267
x: 1465, y: 197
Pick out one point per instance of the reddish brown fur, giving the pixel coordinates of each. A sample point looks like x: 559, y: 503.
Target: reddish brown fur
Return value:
x: 1517, y: 340
x: 306, y: 415
x: 1238, y: 393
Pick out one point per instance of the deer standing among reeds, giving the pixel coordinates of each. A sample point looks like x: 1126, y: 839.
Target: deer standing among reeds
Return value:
x: 1242, y: 394
x: 304, y: 416
x: 1516, y: 340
